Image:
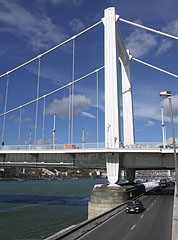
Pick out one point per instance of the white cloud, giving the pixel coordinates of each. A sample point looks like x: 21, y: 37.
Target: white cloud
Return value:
x: 171, y: 28
x: 46, y: 141
x: 149, y: 124
x: 165, y: 105
x: 164, y: 46
x: 89, y: 115
x: 140, y: 42
x: 73, y: 2
x: 143, y: 110
x: 61, y: 107
x: 40, y: 32
x: 76, y: 25
x: 15, y: 119
x: 146, y: 110
x: 169, y: 140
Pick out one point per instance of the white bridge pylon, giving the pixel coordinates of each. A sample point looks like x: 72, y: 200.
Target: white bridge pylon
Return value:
x: 114, y: 48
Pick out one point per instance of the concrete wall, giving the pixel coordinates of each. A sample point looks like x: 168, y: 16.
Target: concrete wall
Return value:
x: 106, y: 198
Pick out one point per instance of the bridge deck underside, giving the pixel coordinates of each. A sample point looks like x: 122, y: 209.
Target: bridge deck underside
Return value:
x: 133, y: 160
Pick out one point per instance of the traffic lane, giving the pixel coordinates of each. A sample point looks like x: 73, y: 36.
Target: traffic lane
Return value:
x: 156, y: 222
x: 114, y: 228
x: 122, y: 224
x: 117, y: 226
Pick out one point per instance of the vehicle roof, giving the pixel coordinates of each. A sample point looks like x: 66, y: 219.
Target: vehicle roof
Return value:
x: 134, y: 202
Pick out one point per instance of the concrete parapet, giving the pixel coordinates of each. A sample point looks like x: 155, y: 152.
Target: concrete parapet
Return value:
x: 106, y: 198
x: 175, y: 216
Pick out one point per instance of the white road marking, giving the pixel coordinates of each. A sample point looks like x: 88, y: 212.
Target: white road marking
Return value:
x: 133, y: 227
x: 142, y: 216
x: 148, y: 209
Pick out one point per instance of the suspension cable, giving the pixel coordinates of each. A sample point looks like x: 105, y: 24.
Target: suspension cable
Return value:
x: 73, y: 75
x: 20, y: 120
x: 97, y: 108
x: 37, y: 96
x: 52, y: 92
x: 69, y: 132
x: 44, y: 112
x: 149, y: 29
x: 157, y: 68
x: 5, y: 108
x: 52, y: 49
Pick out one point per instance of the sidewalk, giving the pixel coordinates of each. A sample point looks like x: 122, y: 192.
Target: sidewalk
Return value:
x: 175, y: 217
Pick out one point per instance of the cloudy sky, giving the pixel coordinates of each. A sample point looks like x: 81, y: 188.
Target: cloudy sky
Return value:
x: 31, y: 27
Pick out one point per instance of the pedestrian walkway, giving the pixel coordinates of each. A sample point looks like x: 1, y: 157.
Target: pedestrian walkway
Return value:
x: 175, y: 216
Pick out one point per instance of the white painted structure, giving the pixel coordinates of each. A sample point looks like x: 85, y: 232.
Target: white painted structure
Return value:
x: 128, y: 122
x: 112, y: 110
x: 114, y: 47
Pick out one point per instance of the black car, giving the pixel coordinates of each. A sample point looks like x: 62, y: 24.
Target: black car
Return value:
x: 134, y: 206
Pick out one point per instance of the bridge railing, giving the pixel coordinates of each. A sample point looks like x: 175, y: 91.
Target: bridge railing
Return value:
x: 45, y: 147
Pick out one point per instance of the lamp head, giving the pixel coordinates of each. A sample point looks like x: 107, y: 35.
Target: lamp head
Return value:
x: 165, y: 94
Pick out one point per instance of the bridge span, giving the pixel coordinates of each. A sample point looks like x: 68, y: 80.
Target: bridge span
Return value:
x: 129, y: 158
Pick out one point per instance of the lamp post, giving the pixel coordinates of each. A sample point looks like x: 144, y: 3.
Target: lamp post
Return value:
x: 54, y: 130
x: 83, y: 137
x: 163, y: 128
x: 30, y: 138
x: 167, y: 94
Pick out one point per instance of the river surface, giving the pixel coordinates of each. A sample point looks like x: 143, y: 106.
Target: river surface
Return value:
x: 37, y: 209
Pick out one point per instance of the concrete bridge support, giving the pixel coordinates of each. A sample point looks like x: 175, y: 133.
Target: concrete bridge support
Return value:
x: 128, y: 120
x: 114, y: 47
x: 113, y: 168
x: 130, y: 173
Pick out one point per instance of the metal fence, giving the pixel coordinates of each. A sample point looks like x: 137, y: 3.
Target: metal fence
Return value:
x: 140, y: 145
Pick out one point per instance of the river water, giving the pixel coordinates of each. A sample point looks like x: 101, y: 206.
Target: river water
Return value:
x: 38, y: 209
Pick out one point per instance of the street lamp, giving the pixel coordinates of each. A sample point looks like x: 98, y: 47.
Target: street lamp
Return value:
x: 167, y: 94
x: 54, y: 130
x: 163, y: 128
x: 83, y: 137
x: 30, y: 138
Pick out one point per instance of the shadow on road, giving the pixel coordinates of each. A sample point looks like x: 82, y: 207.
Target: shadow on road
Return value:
x: 162, y: 191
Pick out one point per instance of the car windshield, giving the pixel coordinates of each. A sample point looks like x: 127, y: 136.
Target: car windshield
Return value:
x: 137, y: 202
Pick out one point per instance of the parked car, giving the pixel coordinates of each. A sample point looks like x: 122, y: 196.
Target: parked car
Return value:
x: 163, y: 183
x: 134, y: 206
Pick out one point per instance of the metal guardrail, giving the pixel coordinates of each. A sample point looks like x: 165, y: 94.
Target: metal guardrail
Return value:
x: 140, y: 145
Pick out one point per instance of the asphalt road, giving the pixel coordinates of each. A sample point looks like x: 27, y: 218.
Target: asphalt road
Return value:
x: 154, y: 223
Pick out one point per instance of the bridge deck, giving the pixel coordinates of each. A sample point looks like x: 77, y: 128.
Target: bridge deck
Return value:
x: 135, y: 158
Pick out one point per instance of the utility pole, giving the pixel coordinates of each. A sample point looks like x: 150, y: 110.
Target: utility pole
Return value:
x: 54, y: 130
x: 163, y: 128
x: 30, y: 138
x: 83, y: 137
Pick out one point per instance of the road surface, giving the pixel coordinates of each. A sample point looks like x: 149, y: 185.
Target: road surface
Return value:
x: 154, y: 223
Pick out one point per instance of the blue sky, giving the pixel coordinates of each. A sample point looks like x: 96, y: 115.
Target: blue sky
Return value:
x: 30, y: 27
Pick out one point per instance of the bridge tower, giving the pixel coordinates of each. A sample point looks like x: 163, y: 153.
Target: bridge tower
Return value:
x: 114, y: 49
